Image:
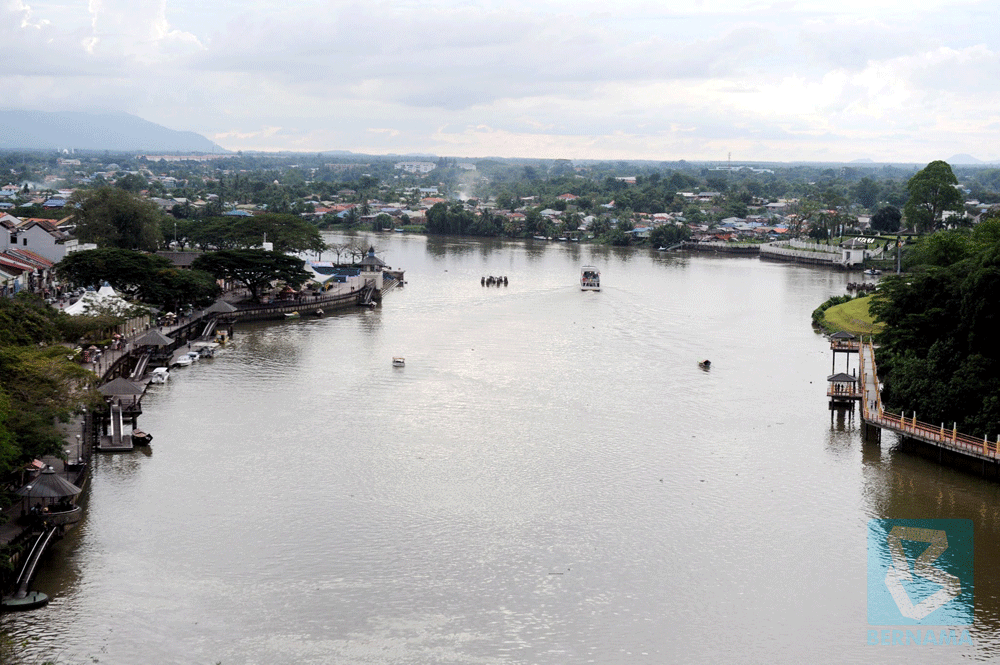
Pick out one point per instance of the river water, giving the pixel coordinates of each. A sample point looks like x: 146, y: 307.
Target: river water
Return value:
x: 550, y: 479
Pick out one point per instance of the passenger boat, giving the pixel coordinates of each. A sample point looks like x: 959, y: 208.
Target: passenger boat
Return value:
x: 590, y: 279
x: 159, y: 375
x: 398, y: 361
x: 291, y: 315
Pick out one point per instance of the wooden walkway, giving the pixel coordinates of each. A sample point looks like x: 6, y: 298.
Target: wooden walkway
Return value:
x: 908, y: 426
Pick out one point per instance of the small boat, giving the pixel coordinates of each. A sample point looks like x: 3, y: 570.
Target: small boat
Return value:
x: 183, y: 361
x: 159, y: 375
x: 140, y: 438
x: 398, y: 361
x: 205, y: 349
x: 291, y: 315
x: 590, y: 279
x: 318, y: 312
x: 705, y: 364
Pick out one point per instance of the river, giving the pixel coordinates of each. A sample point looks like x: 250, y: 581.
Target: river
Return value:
x: 550, y: 479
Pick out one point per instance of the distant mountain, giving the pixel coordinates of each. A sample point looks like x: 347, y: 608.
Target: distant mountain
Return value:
x: 964, y: 159
x: 43, y: 130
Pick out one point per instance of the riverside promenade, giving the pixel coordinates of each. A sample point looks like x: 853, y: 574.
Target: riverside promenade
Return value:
x: 115, y: 360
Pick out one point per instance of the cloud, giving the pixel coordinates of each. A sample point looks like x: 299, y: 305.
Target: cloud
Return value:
x: 795, y: 79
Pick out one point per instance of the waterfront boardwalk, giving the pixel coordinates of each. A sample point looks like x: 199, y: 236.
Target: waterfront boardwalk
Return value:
x: 939, y: 436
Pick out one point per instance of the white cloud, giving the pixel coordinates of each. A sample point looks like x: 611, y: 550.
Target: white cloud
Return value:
x: 793, y: 80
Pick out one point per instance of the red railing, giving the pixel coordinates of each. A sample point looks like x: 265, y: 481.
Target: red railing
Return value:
x: 873, y: 412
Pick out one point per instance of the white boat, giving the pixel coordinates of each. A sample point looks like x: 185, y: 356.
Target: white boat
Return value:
x: 159, y: 375
x: 398, y: 361
x: 183, y: 361
x: 590, y: 279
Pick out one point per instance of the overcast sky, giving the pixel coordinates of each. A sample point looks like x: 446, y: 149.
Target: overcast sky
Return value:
x: 825, y: 80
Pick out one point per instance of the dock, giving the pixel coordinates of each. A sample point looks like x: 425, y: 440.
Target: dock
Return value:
x: 948, y: 445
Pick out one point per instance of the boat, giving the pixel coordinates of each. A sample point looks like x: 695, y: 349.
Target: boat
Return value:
x: 183, y: 361
x: 159, y: 375
x: 205, y: 349
x: 398, y: 361
x: 590, y: 279
x: 705, y: 364
x: 140, y: 438
x: 291, y: 315
x: 318, y: 312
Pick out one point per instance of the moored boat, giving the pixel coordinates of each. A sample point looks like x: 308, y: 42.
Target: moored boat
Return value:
x: 159, y: 375
x: 205, y: 349
x: 590, y: 279
x: 398, y: 361
x: 140, y: 438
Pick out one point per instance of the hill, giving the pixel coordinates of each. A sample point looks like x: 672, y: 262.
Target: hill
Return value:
x: 43, y: 130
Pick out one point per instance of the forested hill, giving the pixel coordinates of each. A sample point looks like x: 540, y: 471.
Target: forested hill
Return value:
x: 42, y: 130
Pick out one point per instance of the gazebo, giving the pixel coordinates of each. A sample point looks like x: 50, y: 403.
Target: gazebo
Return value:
x: 50, y: 497
x: 153, y: 338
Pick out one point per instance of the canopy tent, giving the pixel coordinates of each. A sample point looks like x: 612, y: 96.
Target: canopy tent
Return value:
x: 118, y: 387
x: 48, y: 485
x: 104, y: 299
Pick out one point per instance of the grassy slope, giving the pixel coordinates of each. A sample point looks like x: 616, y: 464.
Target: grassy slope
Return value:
x: 852, y: 317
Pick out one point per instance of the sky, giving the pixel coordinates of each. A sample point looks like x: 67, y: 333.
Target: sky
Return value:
x: 817, y: 80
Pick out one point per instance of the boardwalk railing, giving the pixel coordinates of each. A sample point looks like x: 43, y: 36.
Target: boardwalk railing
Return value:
x: 908, y: 425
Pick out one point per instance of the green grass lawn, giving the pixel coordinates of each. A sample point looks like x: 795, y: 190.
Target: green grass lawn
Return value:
x: 852, y: 317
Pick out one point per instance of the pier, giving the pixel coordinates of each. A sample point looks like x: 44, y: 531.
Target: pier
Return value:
x: 946, y: 445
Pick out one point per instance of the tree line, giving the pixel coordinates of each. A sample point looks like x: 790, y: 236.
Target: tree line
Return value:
x: 938, y: 354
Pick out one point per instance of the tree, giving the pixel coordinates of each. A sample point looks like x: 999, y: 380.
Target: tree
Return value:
x: 254, y: 268
x: 131, y: 182
x: 127, y: 271
x: 937, y: 353
x: 886, y: 219
x: 668, y: 234
x: 866, y: 192
x: 933, y: 190
x: 115, y: 218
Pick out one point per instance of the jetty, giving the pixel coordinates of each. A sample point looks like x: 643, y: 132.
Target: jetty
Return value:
x: 935, y: 440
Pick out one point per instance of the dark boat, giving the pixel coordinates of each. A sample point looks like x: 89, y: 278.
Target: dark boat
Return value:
x: 140, y: 438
